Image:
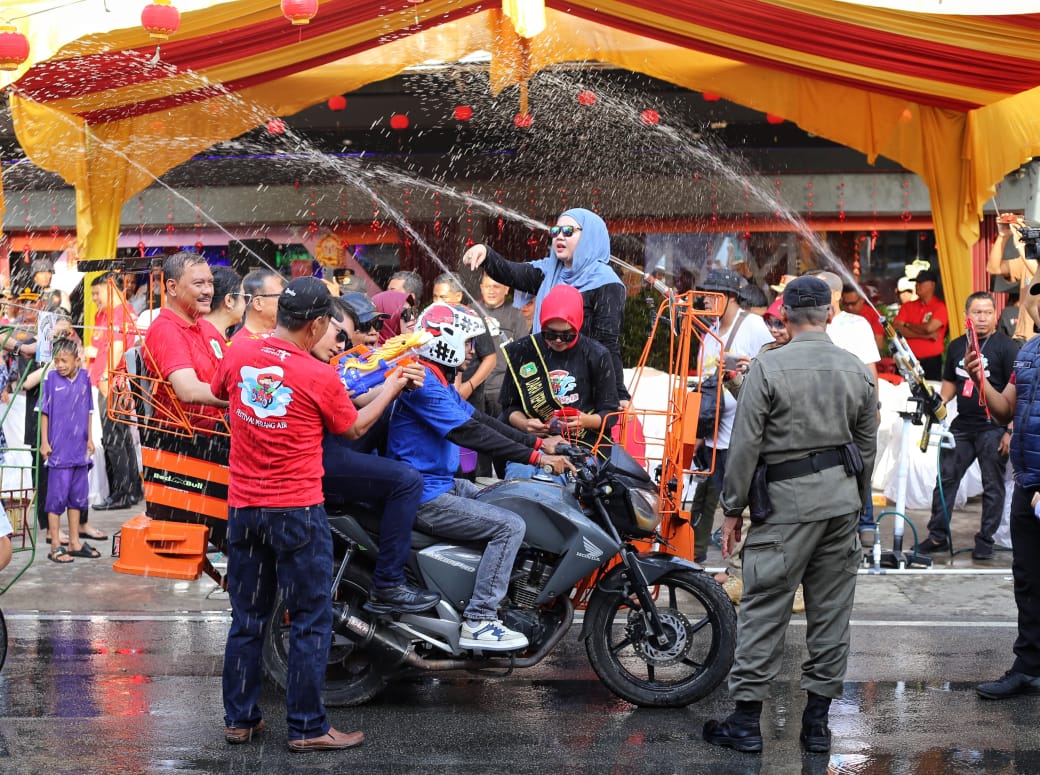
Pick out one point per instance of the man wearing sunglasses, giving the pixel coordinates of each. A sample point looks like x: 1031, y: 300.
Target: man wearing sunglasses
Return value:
x: 573, y: 371
x: 261, y: 288
x: 363, y: 322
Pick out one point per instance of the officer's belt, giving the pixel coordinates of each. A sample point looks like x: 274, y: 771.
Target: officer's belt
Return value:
x: 811, y: 464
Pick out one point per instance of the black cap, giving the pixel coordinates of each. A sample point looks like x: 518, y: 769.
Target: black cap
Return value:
x: 807, y: 292
x: 362, y: 306
x: 305, y: 298
x: 722, y: 281
x: 926, y: 276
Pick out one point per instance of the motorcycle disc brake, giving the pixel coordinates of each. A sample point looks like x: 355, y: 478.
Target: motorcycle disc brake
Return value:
x: 676, y: 626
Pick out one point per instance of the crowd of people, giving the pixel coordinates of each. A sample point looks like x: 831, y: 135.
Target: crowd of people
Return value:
x: 793, y: 452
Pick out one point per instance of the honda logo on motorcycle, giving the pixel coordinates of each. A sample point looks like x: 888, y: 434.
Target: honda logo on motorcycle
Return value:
x: 592, y: 552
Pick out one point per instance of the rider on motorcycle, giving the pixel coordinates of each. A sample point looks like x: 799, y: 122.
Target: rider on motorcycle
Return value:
x: 426, y: 428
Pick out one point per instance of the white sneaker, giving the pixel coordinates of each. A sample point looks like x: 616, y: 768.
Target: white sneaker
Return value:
x: 490, y: 635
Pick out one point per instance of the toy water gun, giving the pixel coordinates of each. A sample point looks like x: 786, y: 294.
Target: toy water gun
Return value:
x: 361, y: 368
x: 973, y: 346
x: 933, y: 409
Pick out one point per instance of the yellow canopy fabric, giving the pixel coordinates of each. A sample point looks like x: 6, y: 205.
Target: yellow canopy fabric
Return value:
x: 954, y: 99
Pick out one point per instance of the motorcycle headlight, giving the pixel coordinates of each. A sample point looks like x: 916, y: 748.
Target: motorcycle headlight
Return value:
x: 645, y: 513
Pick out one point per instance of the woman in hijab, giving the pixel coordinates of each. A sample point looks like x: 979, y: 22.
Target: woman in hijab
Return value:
x: 578, y: 258
x: 392, y: 304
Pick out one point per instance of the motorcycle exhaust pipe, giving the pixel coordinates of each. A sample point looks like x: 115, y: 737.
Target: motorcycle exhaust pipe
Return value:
x: 378, y: 641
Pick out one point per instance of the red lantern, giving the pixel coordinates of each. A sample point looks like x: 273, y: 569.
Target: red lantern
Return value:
x: 586, y: 97
x: 199, y: 246
x: 523, y: 120
x: 299, y: 11
x: 398, y: 121
x: 711, y: 97
x: 339, y: 102
x: 141, y: 247
x: 14, y: 48
x: 462, y: 113
x: 772, y: 118
x: 276, y: 126
x: 160, y: 19
x: 650, y: 117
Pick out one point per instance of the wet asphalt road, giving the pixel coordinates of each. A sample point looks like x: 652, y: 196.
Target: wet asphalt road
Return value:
x: 116, y: 674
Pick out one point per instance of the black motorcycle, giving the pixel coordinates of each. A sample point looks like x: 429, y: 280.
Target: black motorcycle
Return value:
x: 658, y: 630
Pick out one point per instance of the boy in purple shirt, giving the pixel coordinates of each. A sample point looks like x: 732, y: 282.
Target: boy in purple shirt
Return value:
x: 67, y: 447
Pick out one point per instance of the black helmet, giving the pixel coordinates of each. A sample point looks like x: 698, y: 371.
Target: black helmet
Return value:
x: 722, y: 281
x: 361, y: 306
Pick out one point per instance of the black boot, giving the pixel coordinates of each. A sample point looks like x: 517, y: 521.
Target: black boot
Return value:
x: 816, y: 735
x: 740, y: 731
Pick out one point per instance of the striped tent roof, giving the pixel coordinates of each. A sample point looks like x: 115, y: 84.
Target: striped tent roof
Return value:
x: 954, y: 99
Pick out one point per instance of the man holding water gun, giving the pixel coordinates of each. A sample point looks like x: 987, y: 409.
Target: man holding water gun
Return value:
x: 977, y: 435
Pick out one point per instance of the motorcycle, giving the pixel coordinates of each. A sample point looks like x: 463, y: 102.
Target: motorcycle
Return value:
x: 658, y: 630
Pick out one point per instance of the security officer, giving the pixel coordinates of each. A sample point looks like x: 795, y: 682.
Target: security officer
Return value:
x: 805, y: 434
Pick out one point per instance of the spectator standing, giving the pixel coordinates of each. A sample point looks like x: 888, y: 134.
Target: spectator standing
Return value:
x: 282, y: 402
x: 579, y: 257
x: 804, y: 408
x: 977, y: 436
x: 114, y: 334
x: 853, y: 302
x: 923, y: 324
x: 407, y: 282
x: 67, y: 447
x: 1007, y: 259
x: 229, y: 302
x: 261, y: 289
x: 1018, y: 402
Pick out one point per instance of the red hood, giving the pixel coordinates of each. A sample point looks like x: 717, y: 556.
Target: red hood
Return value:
x: 563, y: 303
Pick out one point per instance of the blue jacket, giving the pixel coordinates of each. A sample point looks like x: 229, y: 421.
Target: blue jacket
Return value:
x: 1025, y: 441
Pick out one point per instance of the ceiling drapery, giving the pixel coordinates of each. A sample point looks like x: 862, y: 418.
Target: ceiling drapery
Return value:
x: 954, y: 99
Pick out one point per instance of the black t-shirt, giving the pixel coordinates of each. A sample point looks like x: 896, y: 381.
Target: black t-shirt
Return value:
x: 998, y: 355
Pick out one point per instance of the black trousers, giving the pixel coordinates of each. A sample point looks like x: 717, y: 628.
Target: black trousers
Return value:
x: 954, y: 463
x: 124, y: 476
x: 1025, y: 543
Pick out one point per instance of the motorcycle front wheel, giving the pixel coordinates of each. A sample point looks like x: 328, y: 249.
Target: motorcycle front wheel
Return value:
x: 351, y: 677
x: 701, y: 628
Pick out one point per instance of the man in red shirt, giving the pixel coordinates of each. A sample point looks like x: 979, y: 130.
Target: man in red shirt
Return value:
x: 261, y: 287
x: 181, y: 347
x: 923, y: 324
x: 282, y: 401
x: 114, y: 334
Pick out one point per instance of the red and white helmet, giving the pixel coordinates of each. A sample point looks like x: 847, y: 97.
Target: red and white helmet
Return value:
x: 451, y: 325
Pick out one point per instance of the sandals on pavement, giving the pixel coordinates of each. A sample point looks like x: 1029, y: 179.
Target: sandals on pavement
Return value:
x: 97, y: 535
x: 86, y: 551
x: 61, y: 555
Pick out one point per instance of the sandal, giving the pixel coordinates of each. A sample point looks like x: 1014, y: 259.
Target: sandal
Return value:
x: 86, y: 550
x: 61, y: 555
x: 97, y: 535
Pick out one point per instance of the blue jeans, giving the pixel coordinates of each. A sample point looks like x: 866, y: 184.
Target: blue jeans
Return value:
x: 456, y: 515
x: 270, y: 550
x: 526, y: 471
x: 354, y: 476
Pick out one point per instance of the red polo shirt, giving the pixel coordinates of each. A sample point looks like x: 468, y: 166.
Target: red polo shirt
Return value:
x: 918, y: 312
x: 172, y: 344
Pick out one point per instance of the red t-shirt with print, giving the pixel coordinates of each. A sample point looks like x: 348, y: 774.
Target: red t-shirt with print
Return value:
x: 283, y: 400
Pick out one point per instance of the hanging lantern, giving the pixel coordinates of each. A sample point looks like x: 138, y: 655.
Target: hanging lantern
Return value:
x: 772, y: 118
x: 710, y: 96
x: 160, y: 19
x: 523, y: 120
x: 339, y: 102
x: 587, y: 97
x: 650, y: 117
x: 399, y: 121
x: 141, y: 247
x: 299, y: 11
x: 462, y: 113
x: 14, y: 48
x: 276, y: 126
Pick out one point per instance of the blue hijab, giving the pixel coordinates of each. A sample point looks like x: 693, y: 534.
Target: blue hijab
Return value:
x: 588, y: 270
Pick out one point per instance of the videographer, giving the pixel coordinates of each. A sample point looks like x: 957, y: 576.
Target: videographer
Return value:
x: 1007, y: 258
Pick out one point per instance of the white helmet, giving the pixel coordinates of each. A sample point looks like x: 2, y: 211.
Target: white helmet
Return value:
x: 451, y: 325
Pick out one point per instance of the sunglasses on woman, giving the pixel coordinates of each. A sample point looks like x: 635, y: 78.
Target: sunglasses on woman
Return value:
x: 408, y: 314
x: 372, y: 326
x: 559, y: 336
x: 566, y: 231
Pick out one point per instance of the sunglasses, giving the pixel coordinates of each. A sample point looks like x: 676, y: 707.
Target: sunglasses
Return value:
x: 566, y: 231
x: 408, y: 314
x: 559, y: 336
x: 342, y: 337
x: 775, y: 323
x: 372, y: 326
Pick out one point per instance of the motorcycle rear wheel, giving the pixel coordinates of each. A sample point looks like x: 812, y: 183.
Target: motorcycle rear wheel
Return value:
x: 351, y: 678
x: 702, y: 629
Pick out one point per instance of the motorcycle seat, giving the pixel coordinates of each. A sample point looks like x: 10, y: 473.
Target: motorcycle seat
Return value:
x: 370, y: 517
